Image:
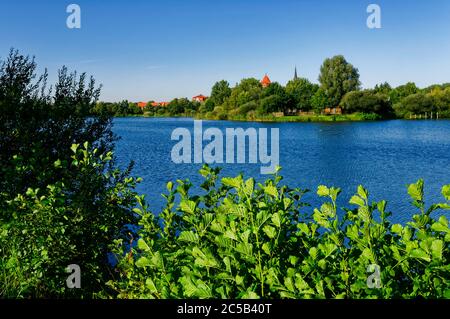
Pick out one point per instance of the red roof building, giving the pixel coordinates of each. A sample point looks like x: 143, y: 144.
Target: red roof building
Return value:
x: 265, y: 81
x: 142, y: 104
x: 199, y: 98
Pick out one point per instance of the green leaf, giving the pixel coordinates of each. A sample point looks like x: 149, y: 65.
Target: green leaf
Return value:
x: 270, y: 231
x: 249, y: 186
x: 235, y: 182
x: 397, y: 229
x: 266, y: 248
x: 74, y: 147
x: 436, y: 249
x: 416, y: 191
x: 323, y: 191
x: 142, y: 245
x: 143, y: 262
x: 419, y: 254
x: 151, y: 285
x: 250, y: 295
x: 271, y: 190
x: 188, y: 206
x: 362, y: 192
x: 356, y: 200
x: 446, y: 192
x: 441, y: 225
x: 188, y: 236
x: 276, y: 219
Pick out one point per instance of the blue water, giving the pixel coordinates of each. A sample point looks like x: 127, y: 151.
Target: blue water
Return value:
x: 383, y: 156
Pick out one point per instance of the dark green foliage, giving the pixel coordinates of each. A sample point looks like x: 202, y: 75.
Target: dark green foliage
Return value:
x: 338, y: 77
x: 246, y: 240
x: 301, y: 91
x: 403, y: 91
x: 319, y: 101
x: 219, y: 93
x: 122, y: 108
x: 367, y: 101
x: 59, y: 203
x: 180, y: 106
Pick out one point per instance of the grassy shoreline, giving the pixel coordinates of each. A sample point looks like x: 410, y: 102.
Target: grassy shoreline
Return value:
x: 356, y: 117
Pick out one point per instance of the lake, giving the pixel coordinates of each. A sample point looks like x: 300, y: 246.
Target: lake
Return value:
x: 383, y: 156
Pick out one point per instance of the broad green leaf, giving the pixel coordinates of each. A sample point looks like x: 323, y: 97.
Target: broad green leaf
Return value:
x: 356, y: 200
x: 397, y: 229
x: 276, y: 219
x: 235, y: 182
x: 419, y: 254
x: 271, y: 190
x: 188, y: 206
x: 142, y: 245
x: 323, y: 191
x: 416, y: 190
x: 151, y: 285
x: 270, y: 231
x: 436, y: 249
x: 143, y: 262
x: 188, y: 236
x: 446, y: 192
x: 362, y: 192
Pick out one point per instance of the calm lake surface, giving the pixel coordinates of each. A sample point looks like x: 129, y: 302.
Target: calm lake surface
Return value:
x: 383, y: 156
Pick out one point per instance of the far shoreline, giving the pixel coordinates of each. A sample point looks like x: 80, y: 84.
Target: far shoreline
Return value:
x: 285, y: 119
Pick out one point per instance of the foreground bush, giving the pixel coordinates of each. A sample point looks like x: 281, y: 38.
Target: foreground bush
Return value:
x: 241, y: 240
x: 60, y: 203
x: 42, y: 231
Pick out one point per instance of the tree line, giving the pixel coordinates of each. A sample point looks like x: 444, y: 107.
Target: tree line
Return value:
x: 339, y: 86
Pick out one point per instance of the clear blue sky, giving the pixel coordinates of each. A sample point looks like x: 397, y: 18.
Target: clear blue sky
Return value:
x: 158, y: 50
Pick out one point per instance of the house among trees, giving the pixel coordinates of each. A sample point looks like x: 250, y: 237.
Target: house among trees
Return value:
x: 332, y: 111
x: 142, y: 105
x: 265, y: 81
x: 199, y: 98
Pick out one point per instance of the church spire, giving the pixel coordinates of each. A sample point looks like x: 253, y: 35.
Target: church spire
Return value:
x: 295, y: 74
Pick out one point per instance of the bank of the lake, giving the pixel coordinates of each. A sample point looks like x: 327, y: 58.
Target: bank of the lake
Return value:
x: 355, y: 117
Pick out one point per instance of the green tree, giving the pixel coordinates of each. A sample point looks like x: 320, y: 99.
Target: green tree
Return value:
x: 319, y: 101
x: 219, y: 93
x: 367, y: 101
x: 59, y: 203
x: 247, y: 90
x: 403, y: 91
x: 301, y: 92
x: 338, y: 77
x: 417, y: 103
x: 384, y: 88
x: 272, y: 103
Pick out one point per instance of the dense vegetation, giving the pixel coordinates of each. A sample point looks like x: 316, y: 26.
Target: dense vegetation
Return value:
x: 122, y: 108
x: 245, y: 240
x: 60, y: 203
x: 63, y: 201
x: 339, y: 86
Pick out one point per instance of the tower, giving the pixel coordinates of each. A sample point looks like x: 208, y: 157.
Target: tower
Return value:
x: 295, y: 74
x: 265, y: 81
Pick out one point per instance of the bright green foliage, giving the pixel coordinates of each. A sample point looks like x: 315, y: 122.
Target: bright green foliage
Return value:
x: 42, y: 231
x: 243, y: 239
